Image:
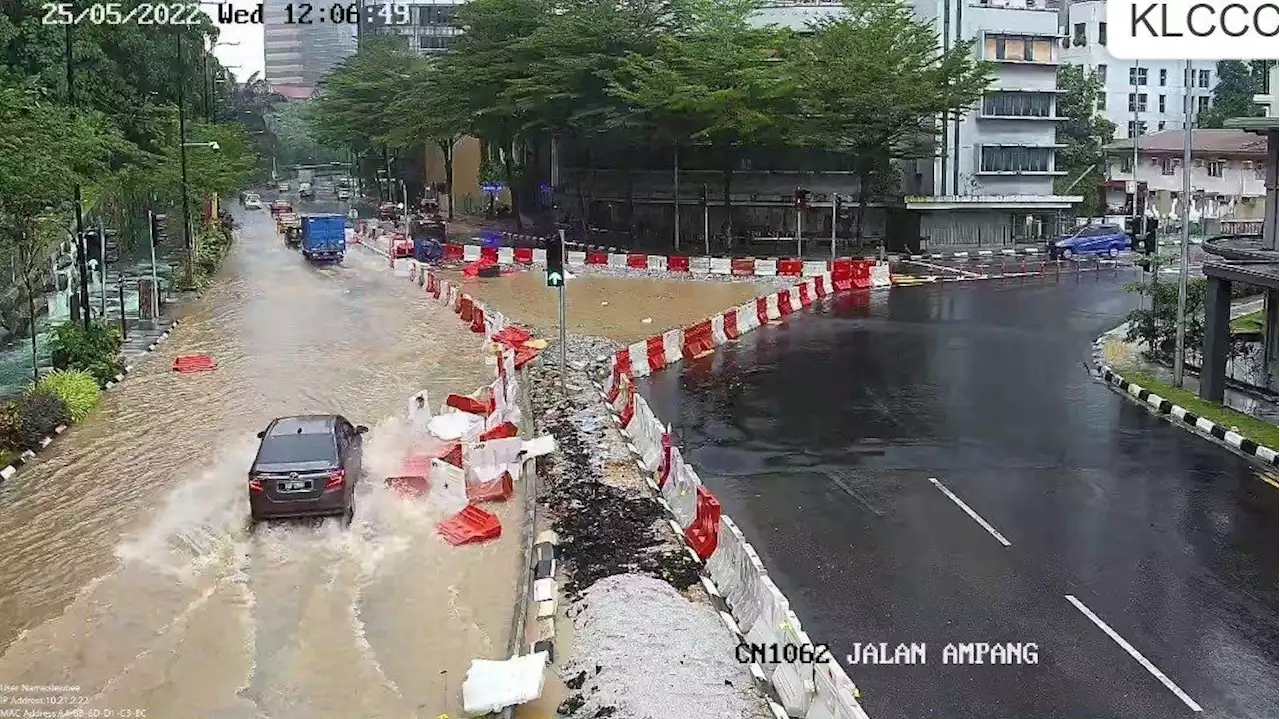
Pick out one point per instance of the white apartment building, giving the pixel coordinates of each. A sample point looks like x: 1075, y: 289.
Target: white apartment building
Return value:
x: 1269, y: 98
x: 993, y: 181
x: 1153, y: 89
x: 1228, y: 174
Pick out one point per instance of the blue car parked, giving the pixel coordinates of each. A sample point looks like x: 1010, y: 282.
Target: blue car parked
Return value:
x: 1109, y: 240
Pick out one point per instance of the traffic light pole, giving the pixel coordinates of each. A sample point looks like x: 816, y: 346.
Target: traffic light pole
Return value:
x: 799, y: 232
x: 835, y: 208
x: 560, y: 295
x: 102, y: 267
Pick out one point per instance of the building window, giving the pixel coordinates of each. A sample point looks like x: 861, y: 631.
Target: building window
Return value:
x: 1019, y: 48
x: 1102, y: 74
x: 1126, y: 163
x: 1077, y: 35
x: 1102, y: 33
x: 1102, y: 101
x: 1136, y: 129
x: 1168, y: 165
x: 1138, y: 102
x: 1018, y: 104
x: 1017, y: 159
x: 1161, y: 104
x: 1160, y: 126
x: 1204, y: 78
x: 1215, y: 168
x: 1137, y: 76
x: 1164, y: 77
x: 1202, y: 103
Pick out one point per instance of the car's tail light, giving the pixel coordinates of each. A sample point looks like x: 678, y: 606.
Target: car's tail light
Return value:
x: 337, y: 478
x: 255, y: 484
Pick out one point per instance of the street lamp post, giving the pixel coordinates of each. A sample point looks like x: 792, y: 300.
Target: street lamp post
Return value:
x: 1180, y: 352
x: 189, y: 272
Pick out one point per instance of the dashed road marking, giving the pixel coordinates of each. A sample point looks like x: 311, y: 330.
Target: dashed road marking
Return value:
x: 1166, y: 681
x: 967, y: 510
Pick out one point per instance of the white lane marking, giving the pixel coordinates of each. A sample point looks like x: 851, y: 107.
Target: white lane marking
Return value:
x: 1166, y: 681
x: 967, y: 510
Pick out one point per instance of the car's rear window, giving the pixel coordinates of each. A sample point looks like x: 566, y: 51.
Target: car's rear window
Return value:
x: 298, y: 448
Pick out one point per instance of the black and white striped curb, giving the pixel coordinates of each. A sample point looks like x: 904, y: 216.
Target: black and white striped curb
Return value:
x: 27, y: 456
x: 713, y: 592
x: 1189, y: 419
x: 545, y: 594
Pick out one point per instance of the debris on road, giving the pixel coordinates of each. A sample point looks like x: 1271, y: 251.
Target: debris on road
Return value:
x: 492, y: 686
x: 186, y: 364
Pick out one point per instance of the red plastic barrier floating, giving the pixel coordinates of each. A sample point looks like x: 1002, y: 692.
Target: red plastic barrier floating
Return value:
x: 524, y: 355
x: 466, y: 404
x: 513, y: 337
x: 505, y: 430
x: 472, y: 524
x: 523, y: 255
x: 638, y: 262
x: 597, y: 258
x: 704, y: 533
x: 194, y: 363
x: 677, y: 263
x: 790, y: 268
x: 409, y: 486
x: 498, y: 490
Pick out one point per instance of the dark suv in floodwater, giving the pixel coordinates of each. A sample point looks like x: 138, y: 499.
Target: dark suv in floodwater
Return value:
x: 306, y: 466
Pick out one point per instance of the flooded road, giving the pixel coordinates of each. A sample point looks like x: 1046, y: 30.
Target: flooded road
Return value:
x: 128, y: 572
x: 851, y: 443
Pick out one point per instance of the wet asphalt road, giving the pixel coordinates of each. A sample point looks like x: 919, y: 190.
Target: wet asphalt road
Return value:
x: 821, y: 436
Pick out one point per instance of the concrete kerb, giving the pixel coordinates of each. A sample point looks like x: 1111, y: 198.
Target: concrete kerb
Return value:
x: 1181, y: 416
x: 26, y: 457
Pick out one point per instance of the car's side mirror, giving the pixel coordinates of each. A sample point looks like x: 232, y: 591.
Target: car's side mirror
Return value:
x: 262, y: 434
x: 361, y: 429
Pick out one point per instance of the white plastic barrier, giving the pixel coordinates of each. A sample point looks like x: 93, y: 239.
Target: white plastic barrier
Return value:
x: 540, y: 256
x: 766, y: 268
x: 794, y: 291
x: 724, y: 565
x: 486, y: 461
x: 772, y: 619
x: 834, y: 696
x: 506, y: 255
x: 745, y: 597
x: 814, y: 267
x: 747, y: 319
x: 491, y: 686
x: 471, y: 253
x: 646, y: 431
x: 700, y: 265
x: 639, y: 359
x: 401, y: 266
x: 617, y: 259
x: 718, y: 335
x: 573, y: 259
x: 793, y: 677
x: 624, y: 394
x: 771, y: 307
x: 681, y: 492
x: 880, y: 275
x: 673, y: 345
x: 420, y: 412
x: 448, y: 491
x: 658, y: 262
x: 721, y: 266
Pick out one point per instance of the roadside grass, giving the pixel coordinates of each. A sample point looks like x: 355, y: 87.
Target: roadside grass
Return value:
x: 1251, y: 323
x: 1260, y: 431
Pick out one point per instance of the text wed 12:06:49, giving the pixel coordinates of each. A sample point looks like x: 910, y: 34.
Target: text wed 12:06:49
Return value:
x: 304, y: 13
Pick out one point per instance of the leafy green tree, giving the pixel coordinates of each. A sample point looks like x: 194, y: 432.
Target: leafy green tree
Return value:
x: 1155, y: 325
x: 722, y: 80
x: 430, y: 114
x: 45, y: 150
x: 871, y: 82
x: 1233, y: 95
x: 1083, y: 133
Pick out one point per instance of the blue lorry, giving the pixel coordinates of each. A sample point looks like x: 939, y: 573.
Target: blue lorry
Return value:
x: 324, y: 238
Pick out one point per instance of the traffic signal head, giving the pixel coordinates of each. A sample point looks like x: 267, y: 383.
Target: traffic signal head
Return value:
x: 159, y: 229
x: 555, y: 263
x: 802, y: 198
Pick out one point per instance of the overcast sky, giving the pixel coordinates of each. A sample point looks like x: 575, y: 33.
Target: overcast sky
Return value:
x: 245, y: 58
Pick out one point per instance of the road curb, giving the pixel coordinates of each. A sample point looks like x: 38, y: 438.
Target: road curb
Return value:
x: 25, y: 458
x: 1181, y: 416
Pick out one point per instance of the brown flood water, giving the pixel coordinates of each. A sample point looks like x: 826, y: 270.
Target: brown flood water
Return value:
x: 127, y: 570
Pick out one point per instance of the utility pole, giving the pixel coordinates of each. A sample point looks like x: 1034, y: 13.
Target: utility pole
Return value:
x: 706, y: 220
x: 1180, y: 353
x: 675, y: 192
x: 82, y: 261
x: 190, y: 271
x: 835, y: 210
x: 1137, y: 131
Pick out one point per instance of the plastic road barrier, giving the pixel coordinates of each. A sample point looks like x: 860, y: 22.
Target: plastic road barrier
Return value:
x: 471, y: 525
x: 186, y: 364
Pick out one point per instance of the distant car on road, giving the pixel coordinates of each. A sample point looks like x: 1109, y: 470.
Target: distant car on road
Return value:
x: 282, y: 187
x: 252, y: 202
x: 306, y: 466
x: 344, y: 193
x: 1108, y: 240
x: 306, y: 190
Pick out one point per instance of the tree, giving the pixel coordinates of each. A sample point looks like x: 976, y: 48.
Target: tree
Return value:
x: 871, y: 82
x: 1083, y: 133
x: 1156, y: 326
x: 44, y: 152
x: 721, y: 79
x: 1233, y: 95
x: 430, y: 114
